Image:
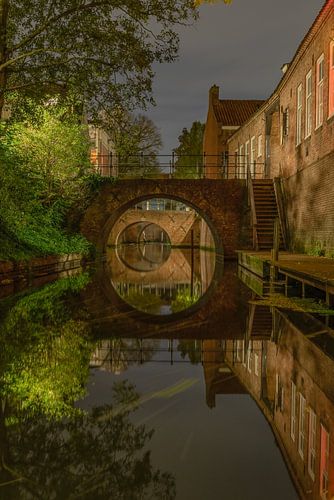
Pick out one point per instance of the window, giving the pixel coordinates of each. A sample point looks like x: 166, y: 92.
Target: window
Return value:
x: 249, y: 360
x: 259, y: 146
x: 319, y: 112
x: 238, y: 351
x: 256, y: 364
x: 252, y: 154
x: 247, y: 153
x: 324, y: 462
x: 301, y: 430
x: 308, y: 107
x: 285, y: 124
x: 293, y: 412
x: 299, y: 114
x: 241, y: 154
x: 243, y: 354
x: 312, y: 429
x: 331, y: 80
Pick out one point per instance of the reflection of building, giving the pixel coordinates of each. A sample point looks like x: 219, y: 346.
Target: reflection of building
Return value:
x: 219, y: 377
x: 292, y: 382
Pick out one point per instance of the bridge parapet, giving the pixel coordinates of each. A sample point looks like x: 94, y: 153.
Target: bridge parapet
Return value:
x: 222, y: 166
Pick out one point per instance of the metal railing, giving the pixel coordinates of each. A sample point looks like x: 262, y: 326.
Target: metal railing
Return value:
x: 223, y: 166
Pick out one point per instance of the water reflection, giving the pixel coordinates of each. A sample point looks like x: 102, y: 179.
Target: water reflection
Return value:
x: 71, y: 364
x: 161, y: 256
x: 160, y: 280
x: 49, y: 446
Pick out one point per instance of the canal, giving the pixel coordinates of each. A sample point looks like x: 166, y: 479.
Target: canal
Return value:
x: 157, y: 374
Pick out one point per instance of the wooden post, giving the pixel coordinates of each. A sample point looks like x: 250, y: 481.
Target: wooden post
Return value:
x: 274, y: 254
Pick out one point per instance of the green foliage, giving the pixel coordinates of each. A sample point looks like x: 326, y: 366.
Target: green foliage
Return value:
x: 294, y: 304
x: 44, y: 352
x: 317, y: 250
x: 101, y: 454
x: 103, y: 51
x: 184, y: 300
x: 146, y: 302
x: 43, y: 167
x: 189, y: 151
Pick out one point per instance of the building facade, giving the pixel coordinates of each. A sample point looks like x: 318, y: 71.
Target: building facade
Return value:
x: 224, y: 117
x: 292, y: 137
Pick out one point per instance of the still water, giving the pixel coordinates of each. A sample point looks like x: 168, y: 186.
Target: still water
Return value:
x: 157, y: 375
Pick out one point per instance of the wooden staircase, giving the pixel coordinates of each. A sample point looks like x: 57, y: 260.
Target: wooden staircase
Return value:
x: 260, y: 323
x: 264, y: 212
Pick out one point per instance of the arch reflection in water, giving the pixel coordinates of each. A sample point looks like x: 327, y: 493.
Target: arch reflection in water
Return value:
x: 163, y: 257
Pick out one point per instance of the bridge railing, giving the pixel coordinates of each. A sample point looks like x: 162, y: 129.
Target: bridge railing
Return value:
x: 223, y: 166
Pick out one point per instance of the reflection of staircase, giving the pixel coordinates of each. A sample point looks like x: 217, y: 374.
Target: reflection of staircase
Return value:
x: 260, y: 322
x: 264, y: 213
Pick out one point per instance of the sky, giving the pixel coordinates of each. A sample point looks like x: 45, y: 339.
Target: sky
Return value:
x: 240, y: 48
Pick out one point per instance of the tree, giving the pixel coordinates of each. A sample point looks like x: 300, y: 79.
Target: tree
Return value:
x: 189, y: 151
x: 43, y: 167
x: 102, y: 50
x: 96, y: 455
x: 137, y: 142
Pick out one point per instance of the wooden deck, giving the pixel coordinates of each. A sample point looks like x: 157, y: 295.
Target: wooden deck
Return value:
x: 317, y: 272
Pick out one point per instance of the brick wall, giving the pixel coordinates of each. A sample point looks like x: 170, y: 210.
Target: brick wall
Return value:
x: 310, y: 206
x: 321, y: 141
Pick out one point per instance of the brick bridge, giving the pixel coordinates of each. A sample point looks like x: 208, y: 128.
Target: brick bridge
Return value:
x: 221, y: 203
x: 175, y: 223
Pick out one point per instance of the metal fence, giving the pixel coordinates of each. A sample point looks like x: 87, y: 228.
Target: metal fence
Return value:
x: 221, y: 166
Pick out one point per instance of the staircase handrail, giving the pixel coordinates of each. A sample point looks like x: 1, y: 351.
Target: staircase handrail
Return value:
x: 251, y: 201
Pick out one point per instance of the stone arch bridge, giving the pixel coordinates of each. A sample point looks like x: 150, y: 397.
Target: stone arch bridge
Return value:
x: 221, y: 203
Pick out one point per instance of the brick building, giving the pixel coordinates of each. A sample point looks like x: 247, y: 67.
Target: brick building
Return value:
x: 292, y: 136
x: 291, y: 382
x: 224, y: 117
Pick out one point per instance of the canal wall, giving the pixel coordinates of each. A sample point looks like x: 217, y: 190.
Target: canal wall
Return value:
x: 18, y: 275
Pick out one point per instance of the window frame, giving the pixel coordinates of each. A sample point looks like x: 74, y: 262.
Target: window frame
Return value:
x: 293, y: 411
x: 308, y: 104
x: 312, y: 443
x: 331, y: 80
x: 301, y: 426
x: 259, y: 146
x: 299, y: 114
x: 319, y: 106
x: 324, y: 463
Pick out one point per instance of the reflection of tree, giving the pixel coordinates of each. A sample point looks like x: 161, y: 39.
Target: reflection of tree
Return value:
x: 190, y: 348
x: 146, y: 301
x: 183, y: 300
x: 44, y: 353
x: 91, y: 456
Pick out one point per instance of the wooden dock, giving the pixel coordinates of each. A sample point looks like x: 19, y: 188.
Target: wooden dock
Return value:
x: 305, y: 270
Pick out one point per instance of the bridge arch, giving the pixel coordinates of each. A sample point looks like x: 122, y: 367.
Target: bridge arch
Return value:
x: 176, y: 226
x: 221, y: 203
